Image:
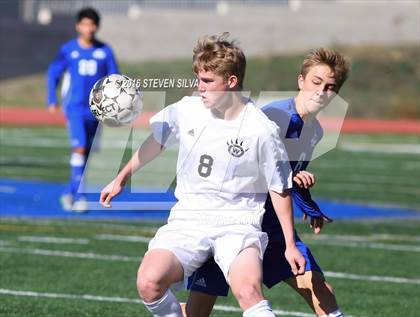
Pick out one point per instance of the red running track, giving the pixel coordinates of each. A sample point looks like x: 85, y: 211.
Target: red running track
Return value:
x: 36, y: 117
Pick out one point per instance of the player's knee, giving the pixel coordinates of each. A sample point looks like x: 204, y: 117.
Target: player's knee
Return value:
x: 248, y: 295
x: 150, y: 289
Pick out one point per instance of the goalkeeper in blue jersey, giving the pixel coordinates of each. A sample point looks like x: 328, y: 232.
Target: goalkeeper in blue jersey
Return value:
x: 83, y: 61
x: 323, y: 72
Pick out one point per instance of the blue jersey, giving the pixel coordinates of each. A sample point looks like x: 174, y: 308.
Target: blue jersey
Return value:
x: 82, y: 68
x: 299, y: 139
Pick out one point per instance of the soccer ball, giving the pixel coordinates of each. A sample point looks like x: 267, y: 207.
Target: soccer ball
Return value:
x: 115, y: 101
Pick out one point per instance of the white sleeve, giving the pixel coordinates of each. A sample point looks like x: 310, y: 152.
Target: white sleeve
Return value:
x: 275, y: 163
x: 165, y: 125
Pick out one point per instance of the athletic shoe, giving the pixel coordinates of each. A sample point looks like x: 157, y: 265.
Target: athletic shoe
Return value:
x: 80, y: 205
x: 66, y: 201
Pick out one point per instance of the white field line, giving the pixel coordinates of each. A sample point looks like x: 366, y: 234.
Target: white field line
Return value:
x: 387, y: 179
x: 357, y: 188
x: 112, y: 257
x: 69, y: 254
x: 43, y: 142
x: 380, y: 148
x: 372, y: 278
x: 368, y: 245
x: 351, y: 241
x: 27, y: 159
x: 114, y: 237
x: 60, y: 240
x: 57, y: 240
x: 48, y: 223
x: 395, y: 237
x: 330, y: 187
x: 36, y: 141
x: 323, y: 239
x: 127, y: 300
x: 370, y: 237
x: 367, y: 164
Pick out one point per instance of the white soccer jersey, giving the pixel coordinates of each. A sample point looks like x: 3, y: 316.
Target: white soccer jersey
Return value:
x: 225, y: 168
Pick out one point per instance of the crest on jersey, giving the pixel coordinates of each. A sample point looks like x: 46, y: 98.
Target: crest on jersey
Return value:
x: 74, y: 54
x: 99, y: 53
x: 236, y: 148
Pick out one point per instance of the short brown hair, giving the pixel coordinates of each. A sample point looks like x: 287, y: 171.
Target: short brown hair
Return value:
x: 223, y: 57
x: 338, y: 64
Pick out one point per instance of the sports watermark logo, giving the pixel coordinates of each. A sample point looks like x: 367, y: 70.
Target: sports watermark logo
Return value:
x: 303, y: 141
x: 161, y: 83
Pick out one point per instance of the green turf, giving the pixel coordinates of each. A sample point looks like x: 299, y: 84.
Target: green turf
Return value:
x: 370, y: 178
x: 383, y: 82
x: 79, y: 276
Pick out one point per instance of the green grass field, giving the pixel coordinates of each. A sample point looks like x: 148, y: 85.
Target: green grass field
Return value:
x: 88, y: 268
x: 371, y: 169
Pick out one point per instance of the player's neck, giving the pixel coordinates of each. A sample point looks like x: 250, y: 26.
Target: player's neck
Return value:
x: 230, y: 110
x: 84, y: 42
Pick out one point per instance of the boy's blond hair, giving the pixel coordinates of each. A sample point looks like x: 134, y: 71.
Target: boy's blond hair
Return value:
x: 223, y: 57
x: 338, y: 64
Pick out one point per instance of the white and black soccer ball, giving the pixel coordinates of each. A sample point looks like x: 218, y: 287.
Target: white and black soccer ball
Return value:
x: 115, y: 101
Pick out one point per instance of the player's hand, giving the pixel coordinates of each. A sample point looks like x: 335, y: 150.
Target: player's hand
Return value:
x: 317, y: 223
x: 110, y: 191
x: 296, y: 260
x: 53, y: 109
x: 304, y: 179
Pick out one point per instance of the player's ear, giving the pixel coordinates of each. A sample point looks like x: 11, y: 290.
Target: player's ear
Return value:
x: 301, y: 81
x: 232, y: 82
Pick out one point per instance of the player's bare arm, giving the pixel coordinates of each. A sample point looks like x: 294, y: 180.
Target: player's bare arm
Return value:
x: 149, y: 150
x: 282, y: 203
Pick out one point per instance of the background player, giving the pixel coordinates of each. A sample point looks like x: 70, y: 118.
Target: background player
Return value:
x: 84, y: 60
x: 323, y: 72
x: 224, y: 173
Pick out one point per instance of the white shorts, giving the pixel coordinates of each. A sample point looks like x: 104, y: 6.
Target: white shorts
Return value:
x: 194, y: 243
